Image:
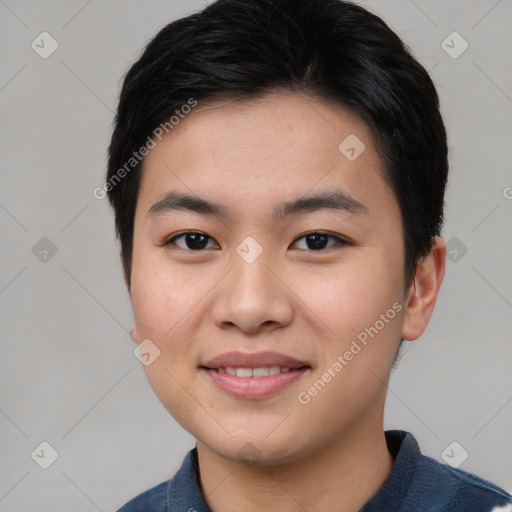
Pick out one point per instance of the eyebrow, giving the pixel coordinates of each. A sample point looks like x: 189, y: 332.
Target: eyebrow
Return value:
x: 328, y: 200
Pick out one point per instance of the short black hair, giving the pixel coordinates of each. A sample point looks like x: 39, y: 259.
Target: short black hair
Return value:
x: 329, y: 49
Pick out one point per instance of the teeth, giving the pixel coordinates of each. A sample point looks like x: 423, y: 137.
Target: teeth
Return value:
x: 243, y: 372
x: 274, y: 370
x: 263, y: 371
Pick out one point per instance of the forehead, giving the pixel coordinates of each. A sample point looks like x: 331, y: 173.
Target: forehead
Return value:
x: 253, y: 152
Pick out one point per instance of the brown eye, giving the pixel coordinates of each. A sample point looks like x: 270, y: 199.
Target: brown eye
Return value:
x: 318, y: 241
x: 190, y: 240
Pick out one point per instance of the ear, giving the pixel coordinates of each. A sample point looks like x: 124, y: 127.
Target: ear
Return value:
x: 422, y: 295
x: 133, y: 335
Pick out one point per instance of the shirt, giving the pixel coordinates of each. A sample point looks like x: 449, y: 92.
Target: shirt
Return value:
x: 416, y: 483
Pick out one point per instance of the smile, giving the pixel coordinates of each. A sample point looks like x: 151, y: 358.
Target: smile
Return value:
x: 253, y: 375
x: 263, y: 371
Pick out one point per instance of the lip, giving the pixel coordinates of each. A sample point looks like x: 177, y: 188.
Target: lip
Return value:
x: 253, y: 360
x: 253, y: 387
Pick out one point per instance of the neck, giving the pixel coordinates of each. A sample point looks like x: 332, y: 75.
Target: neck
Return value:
x: 342, y: 476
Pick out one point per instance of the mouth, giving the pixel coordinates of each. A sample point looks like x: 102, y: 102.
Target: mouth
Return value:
x: 253, y: 375
x: 261, y: 371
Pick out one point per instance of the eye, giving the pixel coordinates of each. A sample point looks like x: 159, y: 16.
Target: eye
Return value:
x: 192, y: 240
x: 196, y: 241
x: 318, y: 240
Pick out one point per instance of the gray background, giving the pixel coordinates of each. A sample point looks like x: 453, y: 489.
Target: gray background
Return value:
x: 68, y: 375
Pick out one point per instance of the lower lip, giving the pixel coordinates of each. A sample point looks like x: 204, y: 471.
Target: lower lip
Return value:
x: 253, y: 387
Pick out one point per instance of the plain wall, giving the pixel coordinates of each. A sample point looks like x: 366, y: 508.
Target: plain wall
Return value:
x: 68, y: 375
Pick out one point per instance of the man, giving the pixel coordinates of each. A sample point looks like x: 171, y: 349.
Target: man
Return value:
x: 277, y: 172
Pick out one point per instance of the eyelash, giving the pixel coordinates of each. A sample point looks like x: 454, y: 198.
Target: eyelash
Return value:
x: 340, y: 241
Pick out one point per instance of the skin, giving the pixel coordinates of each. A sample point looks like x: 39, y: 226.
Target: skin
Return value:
x: 311, y: 304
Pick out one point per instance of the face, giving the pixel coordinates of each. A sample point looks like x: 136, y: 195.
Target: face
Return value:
x: 294, y: 266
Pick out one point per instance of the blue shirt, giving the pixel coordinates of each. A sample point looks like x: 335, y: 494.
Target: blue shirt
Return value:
x: 417, y: 483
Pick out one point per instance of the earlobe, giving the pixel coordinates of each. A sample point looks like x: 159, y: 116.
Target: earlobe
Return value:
x: 422, y: 294
x: 133, y: 335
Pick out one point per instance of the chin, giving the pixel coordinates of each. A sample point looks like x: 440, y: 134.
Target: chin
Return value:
x: 258, y: 449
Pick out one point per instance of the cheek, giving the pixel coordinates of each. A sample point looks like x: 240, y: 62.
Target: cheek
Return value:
x: 333, y: 303
x: 162, y: 304
x: 169, y: 305
x: 358, y: 304
x: 349, y: 297
x: 159, y: 297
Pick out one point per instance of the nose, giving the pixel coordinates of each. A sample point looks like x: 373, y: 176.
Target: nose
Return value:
x: 252, y: 298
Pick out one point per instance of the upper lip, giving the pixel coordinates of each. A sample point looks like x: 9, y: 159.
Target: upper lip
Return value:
x: 253, y: 360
